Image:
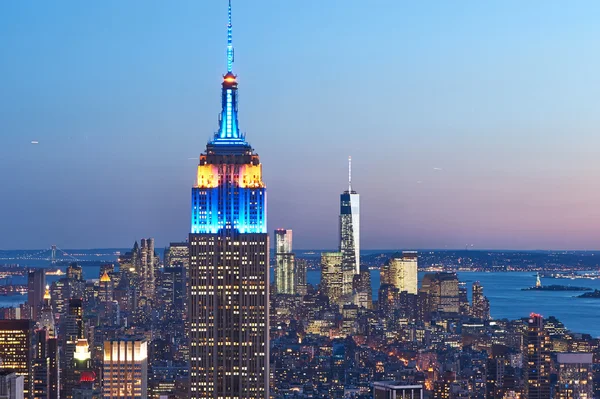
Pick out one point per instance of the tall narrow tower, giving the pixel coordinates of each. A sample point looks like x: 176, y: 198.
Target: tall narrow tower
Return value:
x: 537, y: 369
x: 285, y: 276
x: 350, y: 227
x: 229, y: 262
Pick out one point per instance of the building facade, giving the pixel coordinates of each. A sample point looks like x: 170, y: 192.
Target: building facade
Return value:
x: 481, y: 306
x: 285, y: 263
x: 403, y: 272
x: 575, y: 376
x: 146, y: 265
x: 125, y: 369
x: 36, y: 286
x: 537, y: 356
x: 229, y: 263
x: 332, y: 276
x: 17, y: 351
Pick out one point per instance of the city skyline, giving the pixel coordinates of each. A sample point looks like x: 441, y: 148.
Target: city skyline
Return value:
x: 214, y: 315
x: 485, y: 144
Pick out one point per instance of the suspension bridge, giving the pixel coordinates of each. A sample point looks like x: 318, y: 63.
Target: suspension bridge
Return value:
x: 55, y: 256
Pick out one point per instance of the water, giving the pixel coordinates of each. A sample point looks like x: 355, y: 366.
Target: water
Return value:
x: 503, y: 289
x: 507, y: 300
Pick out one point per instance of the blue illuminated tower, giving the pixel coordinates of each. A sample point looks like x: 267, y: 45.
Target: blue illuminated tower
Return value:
x: 229, y: 264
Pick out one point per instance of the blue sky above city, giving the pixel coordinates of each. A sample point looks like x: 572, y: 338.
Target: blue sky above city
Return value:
x: 471, y: 123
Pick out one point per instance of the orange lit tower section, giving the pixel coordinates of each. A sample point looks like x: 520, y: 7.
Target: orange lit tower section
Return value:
x: 228, y: 308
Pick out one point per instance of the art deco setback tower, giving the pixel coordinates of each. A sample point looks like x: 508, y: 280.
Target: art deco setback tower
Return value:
x: 229, y: 265
x: 350, y: 226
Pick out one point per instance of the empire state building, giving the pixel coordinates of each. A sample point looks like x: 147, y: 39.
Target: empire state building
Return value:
x: 229, y: 262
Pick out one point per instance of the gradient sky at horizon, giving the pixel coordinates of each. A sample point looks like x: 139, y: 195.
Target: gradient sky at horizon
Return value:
x: 469, y: 123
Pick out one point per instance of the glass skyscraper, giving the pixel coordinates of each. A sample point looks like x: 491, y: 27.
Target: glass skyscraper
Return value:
x: 285, y: 276
x: 229, y: 265
x: 350, y: 228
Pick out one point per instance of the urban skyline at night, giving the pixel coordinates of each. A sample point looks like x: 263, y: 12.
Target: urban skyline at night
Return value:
x: 290, y: 279
x: 484, y: 144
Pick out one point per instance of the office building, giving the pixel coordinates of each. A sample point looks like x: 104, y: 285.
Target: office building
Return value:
x: 387, y: 299
x: 36, y: 286
x: 74, y: 272
x: 17, y: 352
x: 285, y: 275
x: 350, y: 227
x: 125, y: 369
x: 301, y: 285
x: 59, y: 294
x: 480, y: 308
x: 46, y: 368
x: 575, y: 376
x: 442, y: 291
x: 174, y: 291
x: 178, y: 254
x: 403, y: 272
x: 363, y: 291
x: 537, y: 359
x: 229, y: 262
x: 72, y: 331
x: 11, y: 385
x: 332, y: 281
x: 464, y: 308
x: 396, y: 390
x: 145, y: 267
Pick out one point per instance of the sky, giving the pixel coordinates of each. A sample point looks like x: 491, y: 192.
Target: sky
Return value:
x: 469, y: 123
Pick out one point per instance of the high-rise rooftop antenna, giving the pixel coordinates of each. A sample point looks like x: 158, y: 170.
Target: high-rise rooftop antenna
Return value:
x: 350, y: 174
x: 229, y: 42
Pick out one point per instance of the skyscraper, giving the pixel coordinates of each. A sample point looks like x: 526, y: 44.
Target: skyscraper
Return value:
x: 442, y: 291
x: 363, y: 291
x: 350, y: 226
x: 537, y: 356
x: 36, y: 286
x: 178, y: 254
x: 146, y: 265
x: 481, y: 305
x: 301, y: 286
x: 229, y: 262
x: 174, y: 292
x: 403, y: 272
x: 17, y: 352
x: 125, y: 369
x: 332, y: 281
x: 72, y: 330
x: 285, y: 282
x: 46, y: 383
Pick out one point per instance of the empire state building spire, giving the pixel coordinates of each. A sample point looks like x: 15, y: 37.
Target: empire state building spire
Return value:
x: 229, y: 42
x: 229, y: 132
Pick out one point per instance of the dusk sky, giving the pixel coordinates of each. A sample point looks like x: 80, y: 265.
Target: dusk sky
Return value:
x: 467, y: 122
